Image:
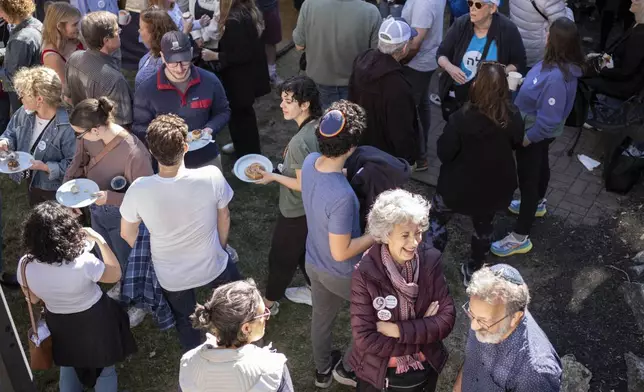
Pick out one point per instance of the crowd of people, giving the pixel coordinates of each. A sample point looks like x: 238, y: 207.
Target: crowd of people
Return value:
x: 363, y: 118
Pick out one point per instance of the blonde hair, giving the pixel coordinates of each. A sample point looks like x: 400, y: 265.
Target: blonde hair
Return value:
x: 225, y: 6
x: 57, y: 13
x: 39, y: 82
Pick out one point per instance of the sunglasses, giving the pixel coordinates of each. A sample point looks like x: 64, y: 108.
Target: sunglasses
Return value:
x: 80, y: 135
x: 332, y: 123
x: 266, y: 315
x: 491, y: 64
x: 474, y: 4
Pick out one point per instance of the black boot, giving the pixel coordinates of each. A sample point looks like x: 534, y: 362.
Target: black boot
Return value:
x: 9, y: 280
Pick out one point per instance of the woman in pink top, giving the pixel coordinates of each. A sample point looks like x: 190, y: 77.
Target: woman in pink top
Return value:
x: 60, y: 36
x: 111, y: 157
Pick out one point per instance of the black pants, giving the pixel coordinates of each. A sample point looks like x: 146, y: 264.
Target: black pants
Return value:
x: 533, y: 170
x: 439, y: 217
x: 14, y: 101
x: 5, y: 111
x: 288, y: 251
x: 243, y: 130
x: 428, y: 374
x: 37, y: 196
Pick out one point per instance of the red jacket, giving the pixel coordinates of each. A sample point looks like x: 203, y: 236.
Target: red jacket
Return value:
x: 372, y: 350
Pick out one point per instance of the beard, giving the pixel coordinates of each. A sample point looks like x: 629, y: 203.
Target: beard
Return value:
x: 496, y: 337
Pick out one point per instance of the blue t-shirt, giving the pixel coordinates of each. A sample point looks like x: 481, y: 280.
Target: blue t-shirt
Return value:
x: 472, y: 56
x: 331, y: 206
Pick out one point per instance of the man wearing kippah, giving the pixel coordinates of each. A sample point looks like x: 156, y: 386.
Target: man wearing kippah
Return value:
x: 506, y: 350
x: 378, y: 84
x: 333, y: 243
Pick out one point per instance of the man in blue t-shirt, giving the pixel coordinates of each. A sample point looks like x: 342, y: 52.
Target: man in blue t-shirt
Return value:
x: 333, y: 243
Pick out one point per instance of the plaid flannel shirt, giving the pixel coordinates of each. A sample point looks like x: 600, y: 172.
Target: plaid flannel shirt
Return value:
x: 140, y: 285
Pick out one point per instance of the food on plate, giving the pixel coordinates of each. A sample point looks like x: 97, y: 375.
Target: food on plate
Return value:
x: 75, y: 189
x: 196, y: 134
x: 254, y: 171
x: 13, y: 164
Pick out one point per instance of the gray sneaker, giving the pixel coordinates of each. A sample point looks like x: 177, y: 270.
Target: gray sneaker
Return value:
x: 228, y: 149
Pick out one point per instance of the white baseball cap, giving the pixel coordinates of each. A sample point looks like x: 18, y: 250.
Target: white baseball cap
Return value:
x: 395, y: 31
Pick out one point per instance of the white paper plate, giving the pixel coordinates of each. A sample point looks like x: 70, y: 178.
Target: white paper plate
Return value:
x: 23, y: 158
x: 81, y: 199
x: 198, y: 143
x: 247, y: 160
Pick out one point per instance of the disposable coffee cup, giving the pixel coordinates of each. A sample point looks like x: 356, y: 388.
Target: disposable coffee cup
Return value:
x: 514, y: 79
x: 118, y: 184
x: 186, y: 15
x: 124, y: 17
x: 196, y: 34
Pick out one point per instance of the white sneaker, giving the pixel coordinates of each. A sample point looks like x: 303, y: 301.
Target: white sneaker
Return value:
x: 275, y: 308
x: 228, y: 149
x: 115, y: 292
x: 232, y: 253
x: 299, y: 295
x: 136, y: 316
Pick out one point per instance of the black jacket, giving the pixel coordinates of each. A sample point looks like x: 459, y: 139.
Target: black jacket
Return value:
x: 242, y: 60
x: 370, y: 172
x: 378, y: 85
x: 478, y: 173
x: 627, y: 77
x: 503, y: 31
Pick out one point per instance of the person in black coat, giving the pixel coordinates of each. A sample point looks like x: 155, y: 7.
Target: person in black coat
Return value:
x: 626, y: 78
x: 478, y: 172
x: 378, y: 84
x: 465, y: 45
x: 243, y: 70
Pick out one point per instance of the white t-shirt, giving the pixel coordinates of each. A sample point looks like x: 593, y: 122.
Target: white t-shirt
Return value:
x: 65, y: 288
x: 425, y: 14
x: 39, y: 126
x: 181, y: 214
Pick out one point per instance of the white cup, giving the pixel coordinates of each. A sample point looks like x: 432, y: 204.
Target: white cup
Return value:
x: 186, y: 15
x: 124, y: 17
x: 196, y: 34
x: 514, y: 79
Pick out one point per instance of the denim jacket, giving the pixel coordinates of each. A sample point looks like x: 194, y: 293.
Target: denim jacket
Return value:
x: 59, y: 141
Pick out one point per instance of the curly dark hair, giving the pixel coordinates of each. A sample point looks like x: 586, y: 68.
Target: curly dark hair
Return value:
x: 231, y: 306
x: 356, y: 122
x: 51, y: 234
x: 166, y: 137
x: 17, y: 10
x: 159, y: 23
x: 303, y: 89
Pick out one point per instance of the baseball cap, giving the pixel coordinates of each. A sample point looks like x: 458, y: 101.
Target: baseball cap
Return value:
x: 395, y: 31
x: 176, y: 47
x: 508, y: 273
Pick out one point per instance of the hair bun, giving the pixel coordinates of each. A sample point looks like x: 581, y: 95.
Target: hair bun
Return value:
x: 201, y: 317
x: 105, y: 105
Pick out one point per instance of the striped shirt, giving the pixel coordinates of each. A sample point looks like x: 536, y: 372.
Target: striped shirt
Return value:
x: 93, y: 74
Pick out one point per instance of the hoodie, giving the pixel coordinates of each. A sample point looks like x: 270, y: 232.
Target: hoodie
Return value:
x: 370, y: 172
x: 546, y: 99
x: 379, y: 86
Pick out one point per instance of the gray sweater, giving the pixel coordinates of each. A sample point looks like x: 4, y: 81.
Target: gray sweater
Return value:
x: 334, y: 33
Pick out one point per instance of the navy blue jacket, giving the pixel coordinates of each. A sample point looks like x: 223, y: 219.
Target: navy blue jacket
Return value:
x: 204, y: 105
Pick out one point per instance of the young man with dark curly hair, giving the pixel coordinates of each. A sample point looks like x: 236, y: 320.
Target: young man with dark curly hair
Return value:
x: 333, y: 243
x: 186, y: 212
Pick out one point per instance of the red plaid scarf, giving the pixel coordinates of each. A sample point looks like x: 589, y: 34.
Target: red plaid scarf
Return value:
x: 405, y: 283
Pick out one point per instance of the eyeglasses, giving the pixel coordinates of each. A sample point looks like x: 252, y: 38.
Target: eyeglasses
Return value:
x: 485, y: 325
x: 332, y: 123
x: 183, y: 64
x: 476, y: 4
x: 80, y: 135
x: 266, y: 315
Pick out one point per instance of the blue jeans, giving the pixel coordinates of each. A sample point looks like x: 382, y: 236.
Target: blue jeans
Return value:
x: 106, y: 382
x: 183, y: 305
x: 106, y: 220
x: 330, y: 94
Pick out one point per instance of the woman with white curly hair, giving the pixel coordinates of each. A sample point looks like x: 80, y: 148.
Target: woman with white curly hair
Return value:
x: 400, y: 304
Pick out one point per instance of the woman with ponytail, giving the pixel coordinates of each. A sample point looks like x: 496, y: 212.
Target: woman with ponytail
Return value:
x: 234, y: 318
x: 107, y: 154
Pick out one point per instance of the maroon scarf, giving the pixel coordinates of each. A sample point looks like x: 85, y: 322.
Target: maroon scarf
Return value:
x: 405, y: 283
